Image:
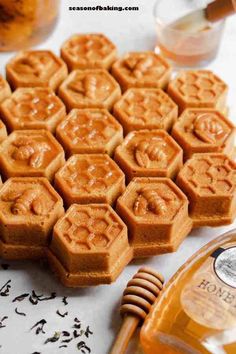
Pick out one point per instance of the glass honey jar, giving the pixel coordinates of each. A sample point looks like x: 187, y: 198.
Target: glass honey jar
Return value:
x: 25, y: 23
x: 196, y: 313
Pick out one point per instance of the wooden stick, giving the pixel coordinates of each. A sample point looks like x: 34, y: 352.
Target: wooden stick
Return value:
x: 138, y: 297
x: 127, y: 329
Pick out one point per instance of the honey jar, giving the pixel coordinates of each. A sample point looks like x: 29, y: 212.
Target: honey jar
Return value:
x: 25, y: 23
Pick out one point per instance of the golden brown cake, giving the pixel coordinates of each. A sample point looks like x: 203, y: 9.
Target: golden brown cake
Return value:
x: 89, y: 89
x: 145, y: 109
x: 141, y: 69
x: 3, y: 131
x: 198, y: 89
x: 32, y: 108
x: 31, y: 153
x: 89, y: 131
x: 149, y: 153
x: 210, y: 184
x: 156, y: 213
x: 90, y: 178
x: 88, y: 51
x: 202, y: 130
x: 36, y: 68
x: 5, y: 90
x: 29, y: 208
x: 89, y: 246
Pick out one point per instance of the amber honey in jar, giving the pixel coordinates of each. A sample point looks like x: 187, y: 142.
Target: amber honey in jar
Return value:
x: 25, y: 23
x: 196, y: 313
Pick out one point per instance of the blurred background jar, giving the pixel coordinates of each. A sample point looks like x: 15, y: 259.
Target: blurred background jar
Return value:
x: 181, y: 47
x: 25, y: 23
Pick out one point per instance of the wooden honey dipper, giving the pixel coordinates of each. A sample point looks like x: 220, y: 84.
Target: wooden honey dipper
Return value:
x: 141, y: 292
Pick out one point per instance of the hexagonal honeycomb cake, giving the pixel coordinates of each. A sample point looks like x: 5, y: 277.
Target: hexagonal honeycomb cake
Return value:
x: 209, y: 181
x: 32, y: 108
x: 141, y: 69
x: 36, y: 68
x: 88, y: 51
x: 5, y: 90
x: 156, y: 213
x: 31, y: 153
x: 29, y: 208
x: 149, y: 153
x: 90, y: 178
x: 204, y: 130
x: 89, y: 89
x: 3, y: 131
x: 145, y: 109
x: 89, y: 131
x: 198, y: 89
x: 89, y: 246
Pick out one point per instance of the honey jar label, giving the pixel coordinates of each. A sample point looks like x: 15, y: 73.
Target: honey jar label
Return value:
x: 209, y: 298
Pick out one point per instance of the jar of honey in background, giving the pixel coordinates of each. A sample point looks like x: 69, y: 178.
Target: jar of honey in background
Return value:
x: 25, y: 23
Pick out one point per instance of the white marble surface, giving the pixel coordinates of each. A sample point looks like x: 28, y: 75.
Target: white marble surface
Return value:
x: 98, y: 307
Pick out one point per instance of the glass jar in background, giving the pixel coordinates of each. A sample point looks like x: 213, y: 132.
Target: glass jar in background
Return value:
x: 184, y: 48
x: 25, y: 23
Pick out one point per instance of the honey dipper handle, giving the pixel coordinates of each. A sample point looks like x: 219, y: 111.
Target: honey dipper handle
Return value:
x: 220, y: 9
x: 130, y: 323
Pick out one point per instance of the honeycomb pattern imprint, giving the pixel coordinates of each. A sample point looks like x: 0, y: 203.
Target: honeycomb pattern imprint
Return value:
x: 88, y: 51
x: 5, y: 90
x: 209, y: 181
x: 198, y: 89
x: 141, y: 70
x: 32, y: 108
x: 36, y: 68
x: 204, y: 130
x: 29, y: 208
x: 90, y: 178
x: 89, y: 245
x: 156, y: 213
x: 89, y: 89
x: 89, y: 131
x: 145, y: 109
x: 147, y: 153
x: 31, y: 153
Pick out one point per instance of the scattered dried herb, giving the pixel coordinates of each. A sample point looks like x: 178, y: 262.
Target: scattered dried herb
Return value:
x: 54, y: 338
x: 20, y: 297
x: 64, y: 300
x: 5, y: 266
x: 76, y: 334
x: 52, y: 296
x: 39, y: 326
x: 82, y: 345
x: 35, y: 298
x: 77, y: 324
x: 19, y: 313
x: 5, y: 289
x: 62, y: 314
x: 88, y: 332
x: 65, y: 334
x: 2, y: 320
